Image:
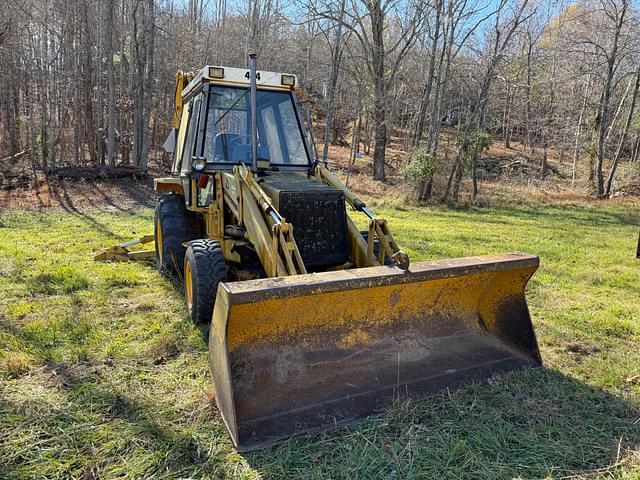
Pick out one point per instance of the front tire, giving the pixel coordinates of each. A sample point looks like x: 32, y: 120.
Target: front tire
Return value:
x: 204, y: 269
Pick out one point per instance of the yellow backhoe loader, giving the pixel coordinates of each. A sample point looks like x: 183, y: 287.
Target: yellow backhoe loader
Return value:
x: 313, y: 323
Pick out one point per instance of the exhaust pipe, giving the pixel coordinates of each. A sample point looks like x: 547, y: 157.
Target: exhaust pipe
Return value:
x: 254, y: 112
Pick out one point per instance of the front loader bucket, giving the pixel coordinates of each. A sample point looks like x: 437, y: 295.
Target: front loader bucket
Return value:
x: 309, y: 352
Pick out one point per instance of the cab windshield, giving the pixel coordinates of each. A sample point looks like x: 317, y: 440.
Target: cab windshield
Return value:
x: 228, y: 128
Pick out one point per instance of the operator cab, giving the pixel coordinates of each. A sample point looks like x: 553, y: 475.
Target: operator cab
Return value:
x: 215, y: 135
x: 215, y: 128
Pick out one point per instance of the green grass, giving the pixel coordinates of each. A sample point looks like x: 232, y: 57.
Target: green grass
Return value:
x: 102, y: 375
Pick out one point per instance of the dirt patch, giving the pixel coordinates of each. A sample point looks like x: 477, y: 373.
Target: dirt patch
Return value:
x: 67, y: 375
x: 25, y: 185
x: 581, y: 350
x: 116, y: 194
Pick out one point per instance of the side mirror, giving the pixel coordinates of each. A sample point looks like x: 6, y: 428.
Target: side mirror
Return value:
x: 169, y: 144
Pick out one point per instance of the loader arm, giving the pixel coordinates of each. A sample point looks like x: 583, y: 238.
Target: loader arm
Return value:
x: 363, y: 251
x: 268, y: 231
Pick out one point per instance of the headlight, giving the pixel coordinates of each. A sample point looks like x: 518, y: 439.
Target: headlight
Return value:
x: 198, y: 164
x: 288, y: 80
x: 216, y: 72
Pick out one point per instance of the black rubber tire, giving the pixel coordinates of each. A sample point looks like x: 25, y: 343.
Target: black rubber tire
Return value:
x: 178, y: 225
x: 207, y: 269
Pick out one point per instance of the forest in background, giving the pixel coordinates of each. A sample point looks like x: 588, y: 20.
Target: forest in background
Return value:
x: 91, y: 83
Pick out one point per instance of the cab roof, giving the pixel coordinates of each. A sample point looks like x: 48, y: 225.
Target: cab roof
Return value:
x: 240, y: 77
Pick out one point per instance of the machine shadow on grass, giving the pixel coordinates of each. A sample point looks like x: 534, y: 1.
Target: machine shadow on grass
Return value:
x: 177, y: 282
x: 536, y: 423
x: 85, y: 391
x: 67, y: 204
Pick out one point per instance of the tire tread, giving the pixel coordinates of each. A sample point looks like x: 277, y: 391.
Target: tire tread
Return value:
x: 208, y: 270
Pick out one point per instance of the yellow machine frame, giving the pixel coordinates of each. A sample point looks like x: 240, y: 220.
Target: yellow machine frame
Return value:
x: 296, y: 351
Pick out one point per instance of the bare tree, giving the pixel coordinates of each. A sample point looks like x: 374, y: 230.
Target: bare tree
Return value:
x: 434, y: 34
x: 468, y: 149
x: 143, y: 13
x: 110, y: 80
x: 623, y: 136
x: 369, y: 20
x: 606, y: 31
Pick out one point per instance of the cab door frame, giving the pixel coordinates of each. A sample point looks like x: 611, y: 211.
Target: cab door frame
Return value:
x: 191, y: 143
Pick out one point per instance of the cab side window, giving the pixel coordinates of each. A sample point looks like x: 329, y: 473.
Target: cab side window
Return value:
x: 272, y: 136
x: 192, y: 129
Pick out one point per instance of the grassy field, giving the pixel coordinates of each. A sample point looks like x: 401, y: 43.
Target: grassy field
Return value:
x: 103, y: 376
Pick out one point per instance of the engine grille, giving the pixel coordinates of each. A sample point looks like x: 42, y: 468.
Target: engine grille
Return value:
x: 319, y: 222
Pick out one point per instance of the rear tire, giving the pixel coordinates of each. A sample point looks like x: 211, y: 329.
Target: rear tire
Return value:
x: 204, y: 269
x: 173, y: 225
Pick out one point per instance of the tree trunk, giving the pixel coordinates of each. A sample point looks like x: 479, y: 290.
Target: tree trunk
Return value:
x: 507, y: 116
x: 333, y: 81
x: 601, y: 128
x: 426, y: 91
x: 379, y: 114
x: 457, y: 181
x: 380, y: 134
x: 474, y: 171
x: 636, y: 150
x: 99, y: 135
x: 148, y: 81
x: 452, y: 189
x: 10, y: 111
x: 576, y: 150
x: 143, y: 80
x: 623, y: 137
x: 545, y: 156
x: 528, y: 118
x: 441, y: 85
x: 110, y: 80
x: 44, y: 94
x: 603, y: 116
x: 89, y: 124
x: 52, y: 80
x: 32, y: 129
x: 77, y: 99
